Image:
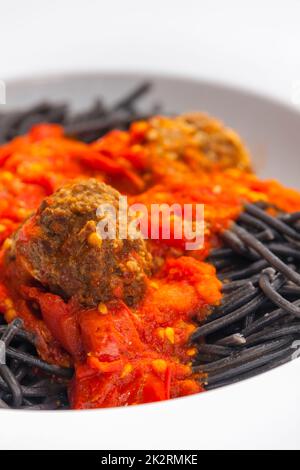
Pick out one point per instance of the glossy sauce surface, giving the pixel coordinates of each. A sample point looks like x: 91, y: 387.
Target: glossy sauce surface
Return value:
x: 128, y: 355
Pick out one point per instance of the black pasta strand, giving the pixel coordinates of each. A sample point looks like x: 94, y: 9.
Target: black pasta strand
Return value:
x: 241, y: 357
x: 263, y: 326
x: 242, y: 273
x: 273, y: 333
x: 272, y: 259
x: 274, y: 222
x: 246, y: 293
x: 222, y: 322
x: 274, y: 296
x: 36, y: 362
x: 13, y: 385
x: 270, y: 365
x: 243, y: 368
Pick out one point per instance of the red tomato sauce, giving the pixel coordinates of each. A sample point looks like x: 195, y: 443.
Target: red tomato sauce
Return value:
x: 121, y: 355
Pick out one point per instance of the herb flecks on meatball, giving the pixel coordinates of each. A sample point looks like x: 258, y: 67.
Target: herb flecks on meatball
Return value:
x: 60, y: 248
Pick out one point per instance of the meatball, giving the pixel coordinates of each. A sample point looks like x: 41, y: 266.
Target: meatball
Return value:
x: 60, y: 247
x: 197, y: 140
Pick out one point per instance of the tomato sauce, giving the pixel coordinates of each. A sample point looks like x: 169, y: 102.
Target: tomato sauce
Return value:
x: 121, y: 355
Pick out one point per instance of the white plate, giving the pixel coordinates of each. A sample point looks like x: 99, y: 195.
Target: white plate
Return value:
x: 262, y: 412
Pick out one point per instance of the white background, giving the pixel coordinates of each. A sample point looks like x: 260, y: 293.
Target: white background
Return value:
x: 254, y: 44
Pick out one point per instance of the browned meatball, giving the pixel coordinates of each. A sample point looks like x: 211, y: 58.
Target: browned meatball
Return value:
x: 196, y: 139
x: 60, y: 248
